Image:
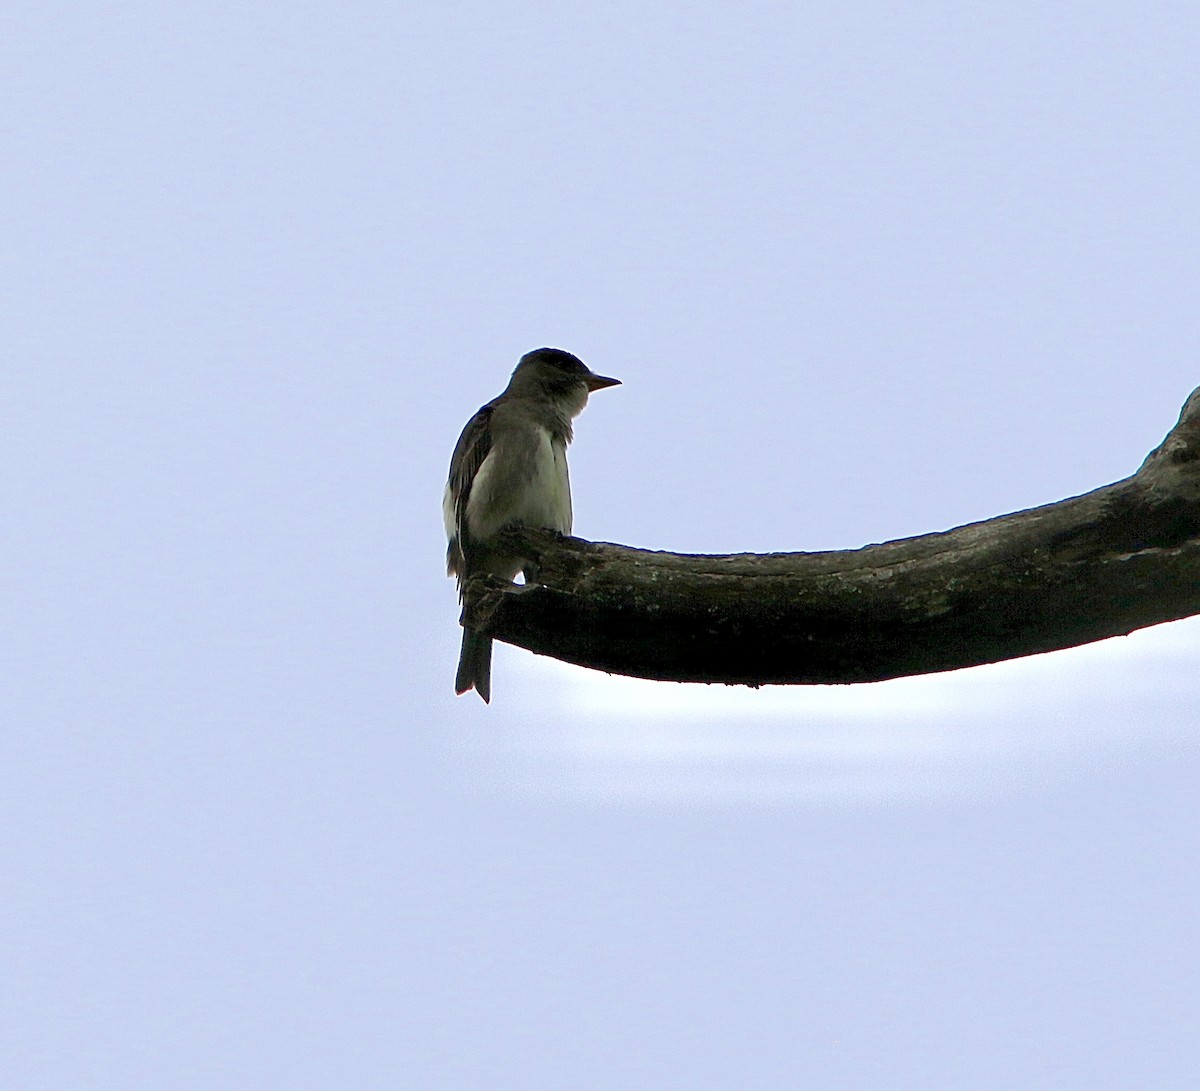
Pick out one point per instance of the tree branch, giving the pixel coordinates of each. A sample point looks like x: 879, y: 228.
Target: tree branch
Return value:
x: 1103, y: 564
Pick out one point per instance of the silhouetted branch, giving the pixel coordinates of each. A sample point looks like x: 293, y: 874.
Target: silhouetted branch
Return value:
x: 1094, y: 566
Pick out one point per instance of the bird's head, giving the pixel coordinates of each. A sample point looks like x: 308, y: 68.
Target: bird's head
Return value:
x: 559, y: 375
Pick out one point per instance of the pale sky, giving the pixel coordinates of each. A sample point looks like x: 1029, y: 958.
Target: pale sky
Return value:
x: 865, y: 270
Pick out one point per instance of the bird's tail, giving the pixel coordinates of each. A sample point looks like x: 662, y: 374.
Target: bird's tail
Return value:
x: 475, y: 665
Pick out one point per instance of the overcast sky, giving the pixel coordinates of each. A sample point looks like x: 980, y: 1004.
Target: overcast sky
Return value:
x: 866, y: 270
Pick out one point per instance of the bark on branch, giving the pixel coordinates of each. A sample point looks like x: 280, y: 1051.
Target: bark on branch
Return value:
x: 1103, y: 564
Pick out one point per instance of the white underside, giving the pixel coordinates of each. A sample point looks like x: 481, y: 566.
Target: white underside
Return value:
x: 527, y: 485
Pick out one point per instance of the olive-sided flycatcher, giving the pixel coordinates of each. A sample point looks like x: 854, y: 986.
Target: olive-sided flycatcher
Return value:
x: 509, y: 468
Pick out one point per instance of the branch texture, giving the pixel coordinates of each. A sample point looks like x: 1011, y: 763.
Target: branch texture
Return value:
x: 1103, y: 564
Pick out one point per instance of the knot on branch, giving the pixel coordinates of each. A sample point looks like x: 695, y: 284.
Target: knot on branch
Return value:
x: 1181, y: 449
x: 482, y: 597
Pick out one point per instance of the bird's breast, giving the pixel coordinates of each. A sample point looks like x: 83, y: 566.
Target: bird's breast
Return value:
x: 523, y: 480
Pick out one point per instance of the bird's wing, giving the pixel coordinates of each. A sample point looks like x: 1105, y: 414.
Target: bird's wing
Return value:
x: 470, y: 451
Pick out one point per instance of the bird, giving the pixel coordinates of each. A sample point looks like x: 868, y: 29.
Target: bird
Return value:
x: 509, y: 468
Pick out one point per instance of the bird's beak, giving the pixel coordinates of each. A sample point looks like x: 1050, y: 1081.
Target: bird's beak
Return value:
x: 599, y: 382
